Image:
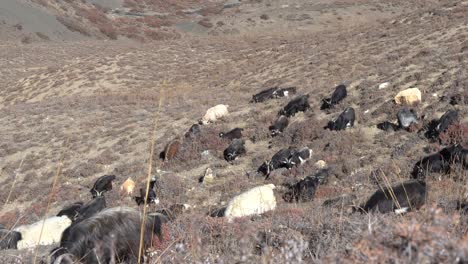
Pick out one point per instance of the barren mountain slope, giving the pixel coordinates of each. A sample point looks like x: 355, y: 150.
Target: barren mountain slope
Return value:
x: 88, y: 108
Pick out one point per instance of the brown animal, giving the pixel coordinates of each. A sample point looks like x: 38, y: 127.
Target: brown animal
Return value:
x: 127, y: 187
x: 171, y: 150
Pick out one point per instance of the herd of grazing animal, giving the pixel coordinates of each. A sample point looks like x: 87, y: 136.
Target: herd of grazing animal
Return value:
x: 92, y: 233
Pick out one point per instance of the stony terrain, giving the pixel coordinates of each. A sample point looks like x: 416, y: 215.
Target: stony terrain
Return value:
x: 89, y: 106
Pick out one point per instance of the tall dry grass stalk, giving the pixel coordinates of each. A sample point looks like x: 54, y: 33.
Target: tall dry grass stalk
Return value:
x: 51, y: 194
x: 14, y: 182
x: 150, y: 165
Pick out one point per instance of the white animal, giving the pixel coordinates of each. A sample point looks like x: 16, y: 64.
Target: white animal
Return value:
x: 214, y: 113
x: 51, y: 233
x: 254, y: 201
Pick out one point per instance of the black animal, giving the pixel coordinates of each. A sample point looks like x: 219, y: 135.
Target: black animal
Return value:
x: 8, y: 238
x: 406, y: 117
x: 279, y: 160
x: 219, y: 212
x: 235, y: 133
x: 264, y: 95
x: 91, y: 208
x: 298, y: 104
x: 387, y: 126
x: 285, y: 92
x: 302, y: 191
x: 110, y: 236
x: 436, y: 127
x: 338, y: 95
x: 152, y: 198
x: 322, y: 175
x: 409, y: 195
x: 72, y: 211
x: 278, y: 127
x: 299, y: 157
x: 102, y: 185
x: 194, y: 131
x: 344, y: 120
x: 441, y: 162
x: 234, y: 150
x: 274, y: 92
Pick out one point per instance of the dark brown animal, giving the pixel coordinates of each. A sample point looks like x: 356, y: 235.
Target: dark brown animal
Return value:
x: 171, y: 150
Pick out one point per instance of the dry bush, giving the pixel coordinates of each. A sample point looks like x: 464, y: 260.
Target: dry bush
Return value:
x: 155, y: 22
x: 191, y: 151
x: 211, y: 10
x: 84, y: 169
x: 106, y: 157
x: 301, y: 133
x: 455, y: 134
x: 171, y: 188
x: 206, y: 23
x: 9, y: 218
x: 42, y: 36
x: 419, y: 238
x: 108, y: 30
x: 26, y: 39
x: 73, y: 25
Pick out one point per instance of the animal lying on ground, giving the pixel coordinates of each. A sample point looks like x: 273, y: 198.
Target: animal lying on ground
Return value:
x: 234, y: 150
x: 254, y: 201
x: 285, y: 158
x: 102, y: 185
x: 264, y: 95
x: 279, y: 160
x: 400, y: 198
x: 232, y: 134
x: 386, y: 126
x: 302, y: 191
x: 271, y: 93
x: 49, y: 230
x: 298, y: 104
x: 406, y: 117
x: 337, y: 96
x: 441, y: 162
x: 299, y: 157
x: 436, y: 127
x: 8, y: 238
x: 110, y: 236
x: 278, y: 127
x: 214, y: 113
x: 344, y: 120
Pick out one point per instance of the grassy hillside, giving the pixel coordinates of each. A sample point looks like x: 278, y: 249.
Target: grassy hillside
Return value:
x: 89, y: 108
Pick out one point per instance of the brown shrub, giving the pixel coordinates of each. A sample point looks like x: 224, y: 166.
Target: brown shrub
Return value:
x: 73, y: 25
x: 108, y: 30
x: 206, y: 23
x: 455, y: 134
x: 9, y: 218
x: 211, y: 10
x: 42, y: 36
x: 171, y: 188
x: 421, y: 238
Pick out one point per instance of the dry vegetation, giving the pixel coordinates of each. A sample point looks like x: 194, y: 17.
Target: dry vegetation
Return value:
x: 95, y: 102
